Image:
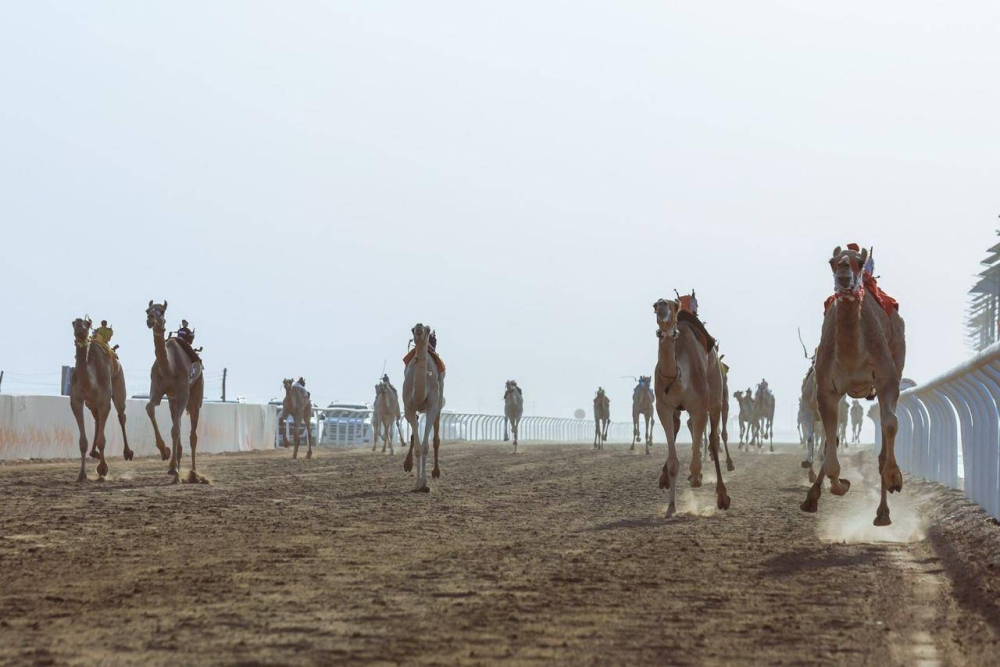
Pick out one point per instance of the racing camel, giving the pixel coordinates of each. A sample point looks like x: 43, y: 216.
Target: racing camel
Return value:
x: 97, y: 383
x: 602, y: 418
x: 385, y: 414
x: 745, y: 401
x: 176, y: 375
x: 423, y: 392
x: 861, y: 354
x: 513, y: 408
x: 642, y: 406
x: 857, y: 421
x: 688, y: 377
x: 297, y: 405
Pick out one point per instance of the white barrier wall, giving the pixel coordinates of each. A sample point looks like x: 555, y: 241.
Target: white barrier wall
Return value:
x: 956, y: 414
x: 44, y: 427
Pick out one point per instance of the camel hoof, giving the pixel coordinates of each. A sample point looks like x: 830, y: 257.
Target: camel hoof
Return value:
x: 882, y: 519
x: 172, y: 472
x: 840, y: 487
x: 435, y: 473
x: 632, y: 448
x: 94, y: 454
x: 695, y: 481
x: 809, y: 505
x: 309, y: 454
x: 807, y: 464
x: 892, y: 479
x: 671, y: 510
x: 664, y: 480
x: 408, y: 464
x: 164, y: 453
x: 812, y: 476
x: 422, y: 489
x: 724, y: 501
x: 82, y: 477
x: 729, y: 465
x: 102, y: 469
x: 129, y: 454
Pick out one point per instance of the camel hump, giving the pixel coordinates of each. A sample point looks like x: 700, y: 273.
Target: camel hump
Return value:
x: 188, y: 350
x: 689, y: 318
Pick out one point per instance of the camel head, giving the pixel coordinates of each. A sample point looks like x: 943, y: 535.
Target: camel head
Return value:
x: 81, y: 330
x: 738, y: 395
x: 156, y: 317
x: 421, y: 334
x: 848, y: 270
x: 510, y: 385
x: 287, y: 384
x: 645, y: 381
x: 666, y: 318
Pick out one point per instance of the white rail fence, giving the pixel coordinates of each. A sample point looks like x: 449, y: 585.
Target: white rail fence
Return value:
x: 954, y: 420
x: 341, y: 426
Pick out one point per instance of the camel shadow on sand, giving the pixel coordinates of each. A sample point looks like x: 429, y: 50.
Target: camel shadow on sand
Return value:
x: 807, y: 560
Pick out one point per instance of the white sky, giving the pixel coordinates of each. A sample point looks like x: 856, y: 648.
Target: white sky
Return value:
x: 305, y: 181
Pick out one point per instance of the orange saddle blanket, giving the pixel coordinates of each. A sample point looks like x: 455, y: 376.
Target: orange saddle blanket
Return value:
x: 412, y: 353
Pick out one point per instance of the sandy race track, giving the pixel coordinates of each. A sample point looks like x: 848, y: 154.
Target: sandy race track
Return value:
x: 559, y: 553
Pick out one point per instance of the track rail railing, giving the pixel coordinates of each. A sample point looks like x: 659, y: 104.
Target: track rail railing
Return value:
x: 956, y: 418
x: 343, y: 426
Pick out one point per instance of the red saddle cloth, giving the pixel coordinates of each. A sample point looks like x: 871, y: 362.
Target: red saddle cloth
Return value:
x: 412, y: 353
x: 870, y: 286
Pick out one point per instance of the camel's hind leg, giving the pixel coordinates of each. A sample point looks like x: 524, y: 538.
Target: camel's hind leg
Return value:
x: 697, y: 426
x: 668, y: 476
x: 635, y: 431
x: 730, y: 467
x: 101, y: 420
x: 118, y: 398
x: 176, y: 411
x: 309, y: 434
x: 295, y: 439
x: 892, y: 478
x: 76, y: 405
x: 194, y: 477
x: 722, y: 496
x: 649, y: 431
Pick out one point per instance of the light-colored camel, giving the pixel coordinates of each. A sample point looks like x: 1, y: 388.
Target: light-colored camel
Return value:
x: 642, y: 406
x: 863, y: 348
x: 513, y: 408
x: 857, y: 421
x: 384, y: 415
x: 298, y: 406
x: 97, y: 382
x: 423, y: 392
x: 745, y: 401
x: 602, y: 418
x: 843, y: 414
x: 178, y: 377
x: 876, y: 416
x: 688, y: 377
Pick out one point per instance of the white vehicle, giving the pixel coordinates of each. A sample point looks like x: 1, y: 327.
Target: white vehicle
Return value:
x: 346, y: 424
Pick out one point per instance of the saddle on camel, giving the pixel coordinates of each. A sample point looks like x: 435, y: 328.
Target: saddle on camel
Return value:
x: 432, y: 347
x: 102, y: 338
x: 689, y: 313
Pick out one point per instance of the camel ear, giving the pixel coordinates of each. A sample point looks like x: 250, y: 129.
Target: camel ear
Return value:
x: 836, y: 251
x: 150, y: 303
x: 864, y: 256
x: 164, y: 305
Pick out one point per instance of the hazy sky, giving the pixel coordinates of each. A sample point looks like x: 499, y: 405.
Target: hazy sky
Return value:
x: 305, y: 181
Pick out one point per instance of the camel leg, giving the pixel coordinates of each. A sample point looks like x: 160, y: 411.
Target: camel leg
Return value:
x: 811, y: 503
x: 725, y: 443
x: 93, y: 443
x: 100, y: 440
x: 514, y: 428
x: 408, y: 461
x: 635, y: 431
x: 604, y: 434
x: 118, y: 398
x: 722, y: 496
x: 697, y: 426
x: 176, y: 411
x: 892, y: 477
x: 193, y: 440
x: 831, y: 462
x: 668, y: 476
x: 770, y: 433
x: 154, y: 400
x: 76, y: 405
x: 309, y: 434
x: 436, y: 472
x: 423, y: 449
x: 295, y: 440
x: 376, y: 426
x: 283, y: 427
x: 649, y: 431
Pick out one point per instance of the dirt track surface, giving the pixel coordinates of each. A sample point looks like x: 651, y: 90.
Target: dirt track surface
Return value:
x: 559, y: 553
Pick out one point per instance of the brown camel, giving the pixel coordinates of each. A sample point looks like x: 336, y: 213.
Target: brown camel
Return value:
x: 602, y: 418
x: 298, y: 405
x: 745, y: 400
x: 97, y: 382
x: 857, y: 421
x: 176, y: 375
x: 688, y: 377
x: 862, y: 352
x: 423, y: 391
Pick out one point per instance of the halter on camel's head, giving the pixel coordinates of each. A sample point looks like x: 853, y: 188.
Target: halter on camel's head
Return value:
x: 848, y: 266
x: 156, y: 317
x: 421, y: 334
x: 666, y: 318
x: 81, y: 330
x: 287, y: 383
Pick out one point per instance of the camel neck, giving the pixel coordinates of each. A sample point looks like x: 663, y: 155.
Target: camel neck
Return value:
x: 848, y: 321
x: 160, y: 347
x: 82, y: 370
x: 667, y: 358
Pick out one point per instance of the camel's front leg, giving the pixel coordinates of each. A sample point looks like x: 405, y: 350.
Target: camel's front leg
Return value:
x: 892, y: 477
x: 193, y: 442
x: 514, y: 424
x: 176, y: 412
x: 283, y: 427
x: 725, y: 443
x: 436, y: 472
x: 376, y: 427
x: 831, y: 462
x: 635, y: 431
x: 408, y: 461
x: 118, y: 398
x: 423, y: 449
x: 670, y: 420
x: 76, y: 405
x: 295, y: 439
x: 649, y: 431
x: 309, y: 435
x: 597, y: 432
x: 154, y: 400
x: 100, y: 440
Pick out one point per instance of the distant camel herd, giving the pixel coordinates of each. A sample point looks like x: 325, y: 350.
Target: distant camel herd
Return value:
x: 861, y: 354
